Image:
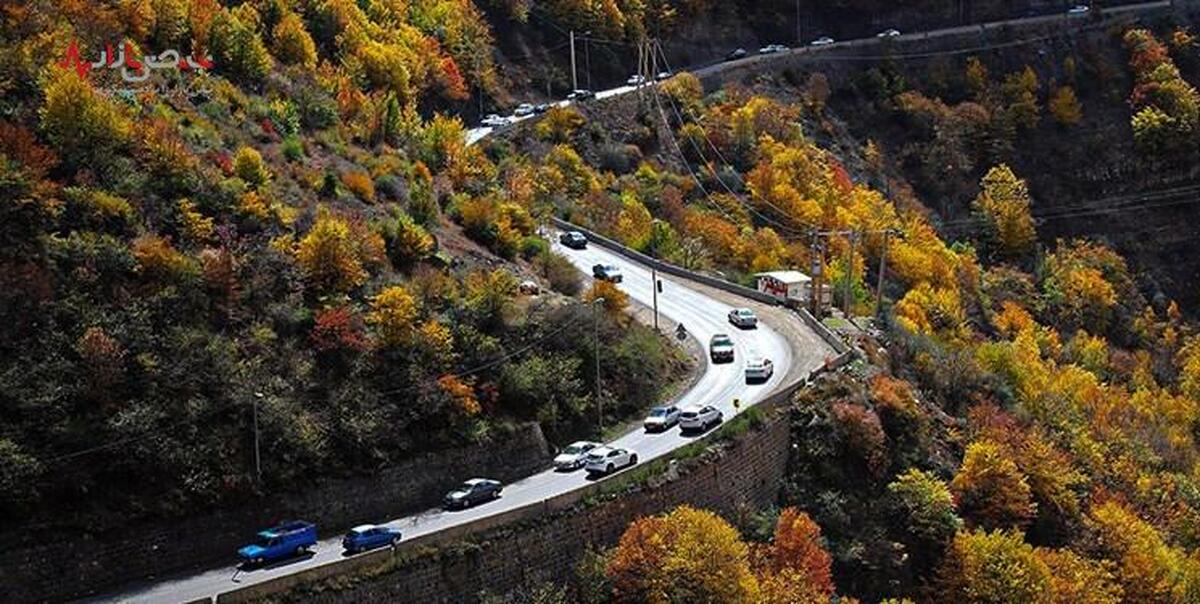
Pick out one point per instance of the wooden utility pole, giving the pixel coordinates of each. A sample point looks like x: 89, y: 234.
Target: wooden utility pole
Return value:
x: 815, y: 293
x: 887, y: 237
x: 852, y: 236
x: 574, y: 77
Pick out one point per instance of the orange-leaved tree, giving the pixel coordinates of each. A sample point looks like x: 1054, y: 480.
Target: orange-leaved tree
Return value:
x: 687, y: 555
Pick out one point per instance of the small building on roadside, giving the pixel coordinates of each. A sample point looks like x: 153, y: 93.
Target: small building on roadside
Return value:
x: 790, y: 287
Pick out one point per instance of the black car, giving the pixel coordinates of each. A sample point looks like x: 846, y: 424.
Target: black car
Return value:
x: 573, y: 239
x: 581, y: 95
x: 736, y: 54
x: 471, y: 492
x: 541, y: 108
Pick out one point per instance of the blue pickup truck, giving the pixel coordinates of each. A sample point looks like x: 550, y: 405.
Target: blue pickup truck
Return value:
x: 287, y: 539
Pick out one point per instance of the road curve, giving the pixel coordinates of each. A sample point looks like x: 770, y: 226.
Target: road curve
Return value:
x: 702, y: 315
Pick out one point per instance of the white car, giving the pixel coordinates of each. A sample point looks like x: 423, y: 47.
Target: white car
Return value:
x: 663, y: 75
x: 744, y: 318
x: 759, y: 369
x: 606, y: 460
x: 494, y: 121
x: 1079, y: 9
x: 700, y: 418
x: 635, y: 80
x: 661, y: 418
x: 523, y: 110
x: 771, y: 49
x: 574, y: 455
x: 888, y: 33
x: 822, y: 41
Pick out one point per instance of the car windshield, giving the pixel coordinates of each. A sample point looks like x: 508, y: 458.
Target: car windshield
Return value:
x: 658, y: 412
x: 464, y: 487
x: 573, y: 450
x: 721, y: 340
x: 263, y: 541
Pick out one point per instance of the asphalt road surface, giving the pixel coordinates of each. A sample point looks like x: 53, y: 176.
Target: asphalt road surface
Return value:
x: 701, y: 315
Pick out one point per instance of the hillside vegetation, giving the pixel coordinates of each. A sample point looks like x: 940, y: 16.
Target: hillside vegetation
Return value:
x: 276, y: 232
x: 1023, y: 428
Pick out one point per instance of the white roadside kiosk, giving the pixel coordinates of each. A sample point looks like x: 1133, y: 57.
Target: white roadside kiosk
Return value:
x: 790, y: 287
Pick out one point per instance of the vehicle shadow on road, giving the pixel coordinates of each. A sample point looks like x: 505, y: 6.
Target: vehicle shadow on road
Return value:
x: 246, y: 567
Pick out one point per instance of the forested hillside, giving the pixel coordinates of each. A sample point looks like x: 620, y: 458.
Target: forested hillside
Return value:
x: 301, y: 229
x: 1023, y: 425
x: 281, y: 231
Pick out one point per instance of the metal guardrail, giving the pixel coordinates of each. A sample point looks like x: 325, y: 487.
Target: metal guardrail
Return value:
x: 666, y: 267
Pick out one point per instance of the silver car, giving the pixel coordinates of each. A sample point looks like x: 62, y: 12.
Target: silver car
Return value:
x: 523, y: 110
x: 822, y: 41
x: 700, y: 418
x: 720, y: 348
x: 574, y: 455
x: 661, y: 418
x: 606, y: 460
x: 744, y: 318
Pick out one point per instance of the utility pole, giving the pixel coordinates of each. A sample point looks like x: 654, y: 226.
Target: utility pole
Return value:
x: 799, y: 37
x: 574, y: 77
x: 596, y: 327
x: 257, y: 457
x: 815, y: 294
x: 655, y: 285
x: 887, y: 235
x: 587, y: 59
x: 852, y: 236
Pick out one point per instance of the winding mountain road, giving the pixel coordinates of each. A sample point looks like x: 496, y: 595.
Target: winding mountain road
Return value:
x: 780, y: 337
x: 703, y: 314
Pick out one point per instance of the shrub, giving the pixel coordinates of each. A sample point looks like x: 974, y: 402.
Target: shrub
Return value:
x: 248, y: 165
x: 533, y: 247
x: 560, y: 124
x: 407, y: 242
x: 360, y: 184
x: 292, y: 148
x: 560, y: 273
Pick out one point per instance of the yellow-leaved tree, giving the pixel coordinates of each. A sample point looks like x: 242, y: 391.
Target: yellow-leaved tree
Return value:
x: 328, y: 257
x: 687, y: 555
x: 1003, y: 207
x: 393, y: 316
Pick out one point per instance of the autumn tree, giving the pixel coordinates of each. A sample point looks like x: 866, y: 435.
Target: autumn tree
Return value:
x: 248, y: 165
x: 84, y: 127
x: 291, y: 43
x: 236, y: 46
x: 1020, y: 92
x: 993, y: 568
x: 991, y: 490
x: 1003, y: 206
x: 926, y: 507
x: 1078, y: 580
x: 687, y: 555
x: 615, y: 301
x: 393, y: 316
x: 797, y: 568
x: 102, y: 358
x: 1064, y: 106
x: 328, y: 257
x: 559, y: 124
